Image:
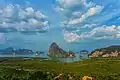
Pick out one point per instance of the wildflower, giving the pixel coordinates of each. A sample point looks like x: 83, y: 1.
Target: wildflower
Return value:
x: 87, y: 77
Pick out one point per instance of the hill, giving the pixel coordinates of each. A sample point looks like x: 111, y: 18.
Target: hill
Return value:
x: 56, y: 51
x: 111, y: 51
x: 10, y: 51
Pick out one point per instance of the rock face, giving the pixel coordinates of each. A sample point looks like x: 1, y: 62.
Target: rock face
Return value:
x: 111, y: 51
x: 56, y: 51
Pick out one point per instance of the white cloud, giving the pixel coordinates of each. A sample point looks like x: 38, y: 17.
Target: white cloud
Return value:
x: 100, y: 32
x: 92, y: 11
x: 40, y: 15
x: 59, y: 9
x: 89, y: 25
x: 76, y: 13
x: 70, y: 37
x: 68, y: 3
x: 33, y: 21
x: 30, y: 12
x: 22, y: 18
x: 8, y: 11
x: 64, y: 6
x: 72, y: 3
x: 90, y: 4
x: 103, y: 32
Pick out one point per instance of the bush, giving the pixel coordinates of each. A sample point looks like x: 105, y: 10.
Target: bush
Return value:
x: 38, y: 76
x: 13, y: 74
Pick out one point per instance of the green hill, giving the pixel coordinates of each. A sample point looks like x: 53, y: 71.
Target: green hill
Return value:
x: 111, y: 51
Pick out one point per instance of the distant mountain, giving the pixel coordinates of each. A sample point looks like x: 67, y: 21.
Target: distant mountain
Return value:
x: 10, y: 51
x: 7, y: 51
x: 84, y: 52
x: 23, y: 51
x: 56, y: 51
x: 111, y: 51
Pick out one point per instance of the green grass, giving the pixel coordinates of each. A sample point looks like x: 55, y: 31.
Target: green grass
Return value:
x: 103, y: 66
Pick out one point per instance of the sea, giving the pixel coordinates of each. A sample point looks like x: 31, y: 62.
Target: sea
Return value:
x: 77, y: 58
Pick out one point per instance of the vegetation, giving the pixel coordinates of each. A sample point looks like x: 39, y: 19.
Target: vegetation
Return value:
x: 107, y: 50
x: 98, y: 68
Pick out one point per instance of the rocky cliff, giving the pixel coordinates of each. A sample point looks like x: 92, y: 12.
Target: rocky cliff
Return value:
x: 111, y: 51
x: 56, y: 51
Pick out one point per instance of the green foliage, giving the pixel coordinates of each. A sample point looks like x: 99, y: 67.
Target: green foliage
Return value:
x: 38, y: 76
x: 107, y: 50
x: 99, y: 68
x: 13, y: 74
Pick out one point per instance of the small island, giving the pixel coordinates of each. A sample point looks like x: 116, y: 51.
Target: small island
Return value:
x: 56, y: 51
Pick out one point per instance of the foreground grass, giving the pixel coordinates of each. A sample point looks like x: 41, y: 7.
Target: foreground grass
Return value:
x: 90, y: 67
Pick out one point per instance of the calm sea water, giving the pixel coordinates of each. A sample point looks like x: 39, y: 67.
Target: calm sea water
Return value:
x: 77, y: 58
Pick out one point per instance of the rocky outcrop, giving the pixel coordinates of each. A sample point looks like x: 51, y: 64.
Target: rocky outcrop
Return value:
x: 96, y: 54
x: 56, y: 51
x: 71, y: 54
x: 84, y: 52
x: 111, y: 51
x: 113, y: 54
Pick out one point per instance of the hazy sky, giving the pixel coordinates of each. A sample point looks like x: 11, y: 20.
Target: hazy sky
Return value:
x: 73, y: 24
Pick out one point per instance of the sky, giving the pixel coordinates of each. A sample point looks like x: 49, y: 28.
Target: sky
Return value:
x: 73, y: 24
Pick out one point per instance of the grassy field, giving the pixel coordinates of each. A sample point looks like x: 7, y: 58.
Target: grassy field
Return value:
x: 94, y: 67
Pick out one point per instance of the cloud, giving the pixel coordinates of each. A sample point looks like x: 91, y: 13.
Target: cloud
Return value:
x: 90, y: 4
x: 102, y: 32
x: 59, y: 9
x: 86, y: 20
x: 92, y: 11
x: 19, y: 18
x: 70, y: 37
x: 77, y: 12
x: 99, y: 32
x: 68, y: 3
x: 71, y: 3
x: 89, y: 25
